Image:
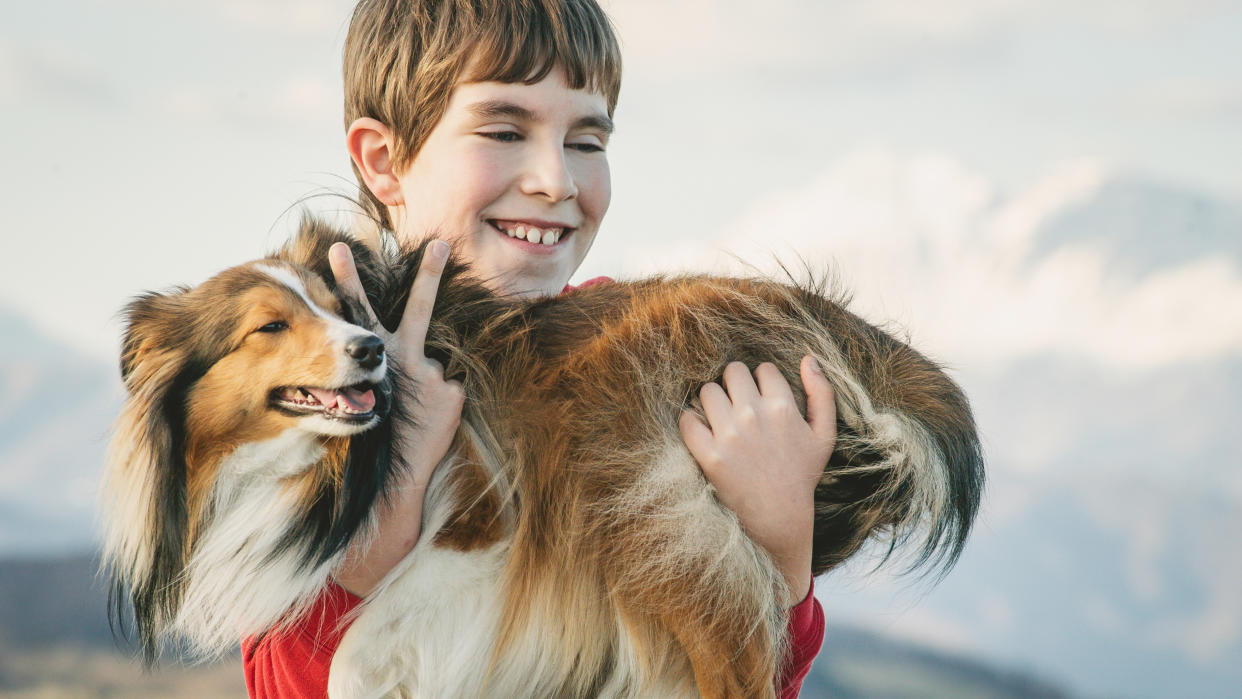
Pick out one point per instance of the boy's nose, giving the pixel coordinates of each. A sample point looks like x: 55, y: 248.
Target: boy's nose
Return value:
x: 549, y: 176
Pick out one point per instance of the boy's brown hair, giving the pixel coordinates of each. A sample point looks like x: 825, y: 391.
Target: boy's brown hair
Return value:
x: 404, y: 57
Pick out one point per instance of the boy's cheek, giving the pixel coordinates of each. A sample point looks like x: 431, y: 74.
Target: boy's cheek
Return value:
x: 595, y: 190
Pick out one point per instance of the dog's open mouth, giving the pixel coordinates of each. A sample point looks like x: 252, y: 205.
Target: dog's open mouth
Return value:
x: 352, y: 403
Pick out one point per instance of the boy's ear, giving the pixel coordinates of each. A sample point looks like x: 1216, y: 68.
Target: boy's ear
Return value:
x: 370, y: 145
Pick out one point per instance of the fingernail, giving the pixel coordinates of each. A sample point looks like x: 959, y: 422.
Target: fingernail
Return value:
x: 814, y: 362
x: 439, y: 250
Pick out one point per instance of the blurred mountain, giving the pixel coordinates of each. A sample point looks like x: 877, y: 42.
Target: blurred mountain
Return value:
x: 53, y: 431
x: 55, y: 641
x: 1145, y: 226
x: 52, y: 615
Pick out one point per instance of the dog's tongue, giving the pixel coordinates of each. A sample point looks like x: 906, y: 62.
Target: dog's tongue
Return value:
x: 352, y: 398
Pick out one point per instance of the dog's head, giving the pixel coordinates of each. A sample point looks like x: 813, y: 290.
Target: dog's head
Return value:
x: 256, y: 376
x: 259, y: 349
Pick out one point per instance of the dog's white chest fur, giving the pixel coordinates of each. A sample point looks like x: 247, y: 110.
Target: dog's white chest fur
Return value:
x: 430, y: 629
x: 429, y: 632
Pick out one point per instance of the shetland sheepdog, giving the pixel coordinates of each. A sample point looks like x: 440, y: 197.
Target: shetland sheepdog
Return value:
x: 571, y: 546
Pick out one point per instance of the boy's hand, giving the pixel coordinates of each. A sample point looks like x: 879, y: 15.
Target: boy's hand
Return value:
x: 764, y: 459
x: 427, y: 435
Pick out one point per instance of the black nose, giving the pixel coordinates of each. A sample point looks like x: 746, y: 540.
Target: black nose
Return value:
x: 367, y: 350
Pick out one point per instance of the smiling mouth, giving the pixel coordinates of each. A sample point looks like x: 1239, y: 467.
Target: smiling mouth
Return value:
x: 351, y: 404
x: 535, y: 235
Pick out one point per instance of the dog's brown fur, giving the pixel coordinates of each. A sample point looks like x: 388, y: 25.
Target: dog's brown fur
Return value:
x: 567, y: 439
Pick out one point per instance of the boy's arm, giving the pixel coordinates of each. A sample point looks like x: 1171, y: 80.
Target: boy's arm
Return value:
x: 424, y: 438
x: 294, y: 662
x: 806, y: 635
x: 764, y: 459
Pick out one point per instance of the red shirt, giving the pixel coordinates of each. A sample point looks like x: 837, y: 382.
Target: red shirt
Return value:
x: 295, y: 664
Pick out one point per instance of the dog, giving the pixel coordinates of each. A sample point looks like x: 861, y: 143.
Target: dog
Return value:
x: 571, y: 546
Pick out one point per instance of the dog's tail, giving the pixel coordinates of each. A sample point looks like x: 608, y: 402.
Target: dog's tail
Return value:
x: 907, y: 467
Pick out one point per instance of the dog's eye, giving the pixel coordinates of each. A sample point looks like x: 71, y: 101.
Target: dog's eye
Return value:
x: 274, y: 327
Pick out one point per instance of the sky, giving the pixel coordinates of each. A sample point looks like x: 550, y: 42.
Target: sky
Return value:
x: 1045, y: 196
x: 151, y: 143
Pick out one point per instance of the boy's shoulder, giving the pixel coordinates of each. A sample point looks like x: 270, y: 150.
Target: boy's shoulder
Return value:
x: 586, y: 284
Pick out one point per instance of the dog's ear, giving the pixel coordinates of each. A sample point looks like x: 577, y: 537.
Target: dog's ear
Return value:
x: 144, y: 489
x: 154, y: 322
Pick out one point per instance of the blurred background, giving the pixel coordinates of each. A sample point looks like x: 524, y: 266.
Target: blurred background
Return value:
x: 1045, y: 196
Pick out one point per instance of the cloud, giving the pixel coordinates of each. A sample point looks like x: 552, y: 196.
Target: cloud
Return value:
x: 296, y: 100
x: 51, y: 71
x: 8, y: 73
x: 1188, y: 97
x: 680, y: 37
x: 701, y: 36
x: 285, y: 16
x: 926, y: 243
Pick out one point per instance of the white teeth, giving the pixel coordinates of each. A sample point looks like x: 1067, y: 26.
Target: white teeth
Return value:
x: 532, y: 234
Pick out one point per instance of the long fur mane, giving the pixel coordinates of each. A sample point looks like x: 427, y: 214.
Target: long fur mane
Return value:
x: 589, y: 553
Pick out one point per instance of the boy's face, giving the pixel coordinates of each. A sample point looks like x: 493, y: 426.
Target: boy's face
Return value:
x: 515, y: 177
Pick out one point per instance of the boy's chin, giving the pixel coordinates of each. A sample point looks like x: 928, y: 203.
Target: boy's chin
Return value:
x: 533, y: 289
x: 528, y: 286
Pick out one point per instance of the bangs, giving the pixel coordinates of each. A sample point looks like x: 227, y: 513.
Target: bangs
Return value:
x: 524, y: 41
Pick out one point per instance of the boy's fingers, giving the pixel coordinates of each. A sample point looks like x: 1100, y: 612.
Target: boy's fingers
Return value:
x: 698, y: 439
x: 341, y: 260
x: 741, y: 384
x: 821, y: 406
x: 772, y: 383
x: 716, y: 406
x: 417, y: 315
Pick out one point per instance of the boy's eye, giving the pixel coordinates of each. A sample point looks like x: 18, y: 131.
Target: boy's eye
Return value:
x: 586, y: 147
x: 503, y: 136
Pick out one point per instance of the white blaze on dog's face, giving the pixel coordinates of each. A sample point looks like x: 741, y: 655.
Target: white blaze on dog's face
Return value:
x: 292, y: 362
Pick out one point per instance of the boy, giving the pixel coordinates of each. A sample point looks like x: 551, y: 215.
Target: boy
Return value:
x: 486, y: 123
